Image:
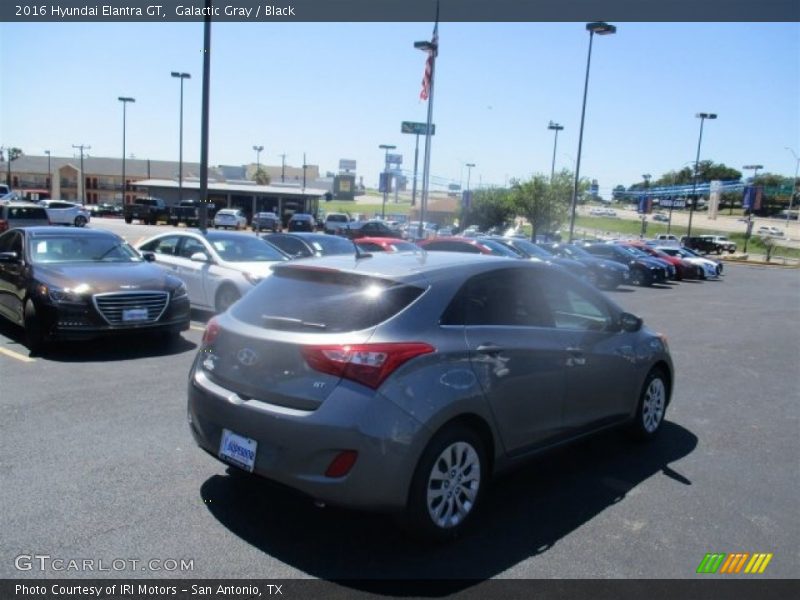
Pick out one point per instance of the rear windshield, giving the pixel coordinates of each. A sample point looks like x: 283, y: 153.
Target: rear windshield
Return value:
x: 339, y: 218
x: 326, y: 301
x: 27, y: 212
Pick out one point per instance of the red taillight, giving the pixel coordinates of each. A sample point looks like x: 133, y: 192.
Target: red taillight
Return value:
x: 341, y: 465
x: 368, y: 364
x: 211, y: 332
x: 3, y: 224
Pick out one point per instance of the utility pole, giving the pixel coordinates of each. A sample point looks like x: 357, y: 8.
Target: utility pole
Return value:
x: 283, y: 167
x: 82, y: 180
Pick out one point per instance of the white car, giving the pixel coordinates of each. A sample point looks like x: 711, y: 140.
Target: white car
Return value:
x: 770, y: 231
x: 61, y: 212
x: 711, y: 269
x: 335, y: 221
x: 218, y: 268
x: 230, y: 217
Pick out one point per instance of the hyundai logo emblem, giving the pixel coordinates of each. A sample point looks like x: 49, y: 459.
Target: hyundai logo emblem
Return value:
x: 247, y: 357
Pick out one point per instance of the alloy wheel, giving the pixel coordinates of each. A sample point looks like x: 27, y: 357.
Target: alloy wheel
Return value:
x: 453, y: 485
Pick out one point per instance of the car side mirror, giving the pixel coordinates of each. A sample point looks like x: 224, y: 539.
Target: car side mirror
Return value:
x: 149, y: 256
x: 9, y: 257
x: 629, y: 322
x: 199, y: 257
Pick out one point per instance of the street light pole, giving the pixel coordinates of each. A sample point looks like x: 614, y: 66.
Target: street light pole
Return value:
x: 385, y: 148
x: 181, y: 76
x: 646, y: 178
x: 283, y: 167
x: 693, y: 201
x: 49, y: 175
x: 258, y: 150
x: 555, y: 127
x: 599, y: 28
x: 794, y: 184
x: 124, y: 100
x: 755, y: 169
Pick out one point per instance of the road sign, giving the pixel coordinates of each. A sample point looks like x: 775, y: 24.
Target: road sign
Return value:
x: 346, y: 164
x: 394, y: 159
x: 416, y: 128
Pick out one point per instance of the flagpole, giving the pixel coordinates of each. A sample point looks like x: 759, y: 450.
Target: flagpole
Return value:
x: 433, y: 49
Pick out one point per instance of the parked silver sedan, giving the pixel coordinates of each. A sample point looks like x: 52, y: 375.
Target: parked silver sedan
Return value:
x: 218, y: 268
x: 404, y: 382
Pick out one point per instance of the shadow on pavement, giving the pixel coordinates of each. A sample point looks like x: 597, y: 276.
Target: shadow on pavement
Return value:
x: 104, y: 349
x: 523, y: 514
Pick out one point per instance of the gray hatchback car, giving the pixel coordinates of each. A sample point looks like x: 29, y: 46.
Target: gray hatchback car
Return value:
x: 402, y: 383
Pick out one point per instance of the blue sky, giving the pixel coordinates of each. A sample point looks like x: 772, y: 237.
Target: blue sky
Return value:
x: 338, y: 90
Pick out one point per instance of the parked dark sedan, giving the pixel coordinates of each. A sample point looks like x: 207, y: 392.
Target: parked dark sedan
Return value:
x: 531, y: 251
x: 608, y: 274
x: 644, y: 271
x: 301, y: 244
x: 373, y: 228
x: 82, y: 283
x: 469, y: 246
x: 266, y: 220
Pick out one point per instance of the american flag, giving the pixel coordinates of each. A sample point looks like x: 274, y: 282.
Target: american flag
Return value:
x: 426, y: 77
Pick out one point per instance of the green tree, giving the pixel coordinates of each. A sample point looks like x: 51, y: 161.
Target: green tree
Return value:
x: 261, y: 177
x: 491, y: 207
x: 542, y: 202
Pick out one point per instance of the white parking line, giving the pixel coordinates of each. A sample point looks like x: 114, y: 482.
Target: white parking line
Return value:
x: 17, y: 355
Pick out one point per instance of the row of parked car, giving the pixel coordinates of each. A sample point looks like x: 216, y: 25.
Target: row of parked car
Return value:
x: 334, y: 359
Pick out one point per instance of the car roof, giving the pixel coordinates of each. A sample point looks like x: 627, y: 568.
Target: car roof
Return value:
x: 410, y: 266
x: 66, y: 231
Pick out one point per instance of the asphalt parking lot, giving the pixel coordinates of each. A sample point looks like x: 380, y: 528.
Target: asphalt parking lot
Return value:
x: 97, y: 463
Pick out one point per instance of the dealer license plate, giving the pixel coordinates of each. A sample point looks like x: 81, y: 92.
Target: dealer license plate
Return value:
x: 134, y: 314
x: 238, y: 450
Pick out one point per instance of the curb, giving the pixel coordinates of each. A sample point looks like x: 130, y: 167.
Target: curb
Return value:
x: 753, y: 263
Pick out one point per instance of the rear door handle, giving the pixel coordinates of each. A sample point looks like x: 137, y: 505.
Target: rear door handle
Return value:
x: 487, y: 348
x: 576, y: 357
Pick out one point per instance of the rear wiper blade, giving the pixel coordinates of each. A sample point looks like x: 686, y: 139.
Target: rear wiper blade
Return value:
x: 293, y: 321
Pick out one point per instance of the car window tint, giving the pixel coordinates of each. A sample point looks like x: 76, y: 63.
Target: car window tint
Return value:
x: 507, y: 297
x: 572, y: 306
x: 11, y: 242
x: 331, y: 244
x: 370, y: 246
x: 245, y: 249
x: 165, y: 245
x: 308, y: 300
x: 191, y: 246
x: 292, y: 246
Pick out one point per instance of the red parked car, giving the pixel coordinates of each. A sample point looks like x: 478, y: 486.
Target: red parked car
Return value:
x: 683, y: 268
x: 382, y: 244
x: 469, y: 245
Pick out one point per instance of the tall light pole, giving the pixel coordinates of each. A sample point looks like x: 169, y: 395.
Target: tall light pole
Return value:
x: 646, y: 178
x: 283, y: 167
x: 755, y: 169
x: 468, y: 196
x: 693, y: 200
x: 599, y: 28
x: 124, y: 100
x: 258, y: 150
x: 555, y: 127
x: 385, y: 148
x: 794, y: 184
x: 49, y: 175
x: 180, y: 76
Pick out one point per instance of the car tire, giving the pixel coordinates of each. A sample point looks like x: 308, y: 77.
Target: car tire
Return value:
x: 35, y: 337
x: 226, y: 295
x: 128, y: 220
x: 80, y: 221
x: 636, y: 277
x: 447, y: 485
x: 652, y: 406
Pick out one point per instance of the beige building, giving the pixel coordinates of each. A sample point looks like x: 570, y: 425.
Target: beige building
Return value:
x: 100, y: 180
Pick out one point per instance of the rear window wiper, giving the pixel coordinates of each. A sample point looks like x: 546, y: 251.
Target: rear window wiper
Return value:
x: 293, y: 321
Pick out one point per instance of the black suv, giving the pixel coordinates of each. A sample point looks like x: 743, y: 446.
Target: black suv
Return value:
x: 702, y: 244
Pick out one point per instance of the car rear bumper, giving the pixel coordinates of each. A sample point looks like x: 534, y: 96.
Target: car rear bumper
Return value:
x: 295, y: 447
